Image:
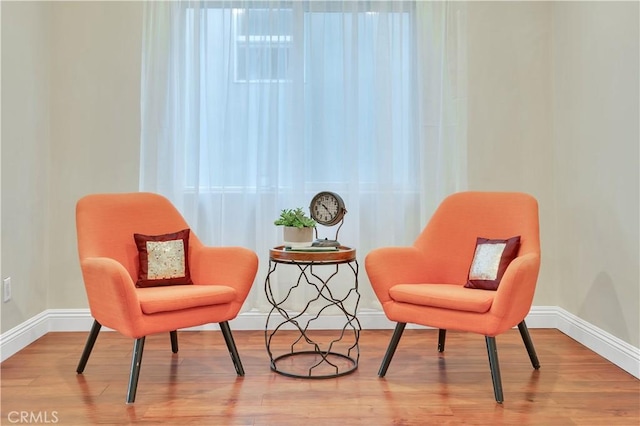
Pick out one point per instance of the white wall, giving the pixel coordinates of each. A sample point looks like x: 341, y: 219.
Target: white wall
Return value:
x: 596, y: 161
x: 95, y: 122
x: 510, y: 144
x: 553, y: 110
x: 70, y: 126
x: 573, y: 146
x: 26, y: 145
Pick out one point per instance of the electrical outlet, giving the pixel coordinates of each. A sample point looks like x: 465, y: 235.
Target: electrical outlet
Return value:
x: 6, y: 289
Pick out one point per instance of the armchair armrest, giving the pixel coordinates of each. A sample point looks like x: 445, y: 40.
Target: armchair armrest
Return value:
x: 231, y: 266
x: 388, y: 266
x: 112, y: 293
x: 515, y: 294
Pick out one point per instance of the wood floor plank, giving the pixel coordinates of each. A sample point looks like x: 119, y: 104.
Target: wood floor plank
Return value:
x: 198, y: 385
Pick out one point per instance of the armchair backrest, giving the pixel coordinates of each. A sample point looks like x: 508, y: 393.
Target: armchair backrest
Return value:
x: 105, y: 224
x: 448, y: 241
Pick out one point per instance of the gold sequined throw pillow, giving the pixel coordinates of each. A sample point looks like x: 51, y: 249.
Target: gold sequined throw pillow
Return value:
x: 164, y: 259
x: 490, y: 260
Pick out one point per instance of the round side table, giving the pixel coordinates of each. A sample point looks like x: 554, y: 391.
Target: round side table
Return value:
x: 308, y: 354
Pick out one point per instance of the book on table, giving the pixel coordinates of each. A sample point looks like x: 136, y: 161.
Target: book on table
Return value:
x: 311, y: 249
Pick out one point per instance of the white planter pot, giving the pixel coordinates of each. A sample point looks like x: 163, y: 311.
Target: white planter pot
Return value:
x: 297, y: 237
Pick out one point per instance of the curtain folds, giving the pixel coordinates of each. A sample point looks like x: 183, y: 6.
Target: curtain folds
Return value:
x: 250, y: 107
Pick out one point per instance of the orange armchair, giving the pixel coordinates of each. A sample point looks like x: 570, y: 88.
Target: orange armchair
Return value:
x: 425, y: 283
x: 221, y: 276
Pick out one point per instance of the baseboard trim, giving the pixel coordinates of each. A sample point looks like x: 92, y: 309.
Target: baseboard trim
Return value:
x: 604, y: 344
x: 23, y: 335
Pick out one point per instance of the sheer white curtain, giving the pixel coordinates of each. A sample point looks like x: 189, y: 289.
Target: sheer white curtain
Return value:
x: 249, y: 107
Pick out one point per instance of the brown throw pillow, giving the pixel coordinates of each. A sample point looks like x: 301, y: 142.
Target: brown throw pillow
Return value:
x: 164, y: 259
x: 490, y: 260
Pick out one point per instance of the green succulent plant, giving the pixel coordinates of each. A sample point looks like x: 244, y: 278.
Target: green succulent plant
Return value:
x: 295, y: 217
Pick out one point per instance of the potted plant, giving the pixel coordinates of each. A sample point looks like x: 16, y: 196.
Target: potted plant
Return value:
x: 298, y: 227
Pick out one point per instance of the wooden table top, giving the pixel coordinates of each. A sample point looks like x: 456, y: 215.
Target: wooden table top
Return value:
x: 343, y: 254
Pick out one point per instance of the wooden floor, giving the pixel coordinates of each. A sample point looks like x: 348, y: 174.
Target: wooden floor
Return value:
x: 198, y: 385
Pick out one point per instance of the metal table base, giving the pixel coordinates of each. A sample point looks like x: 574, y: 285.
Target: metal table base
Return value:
x: 315, y: 360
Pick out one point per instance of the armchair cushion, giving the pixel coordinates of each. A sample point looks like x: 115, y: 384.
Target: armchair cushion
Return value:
x: 446, y: 296
x: 490, y: 260
x: 163, y: 259
x: 154, y: 300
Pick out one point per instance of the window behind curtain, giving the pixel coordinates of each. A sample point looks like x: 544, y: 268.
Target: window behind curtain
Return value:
x: 249, y: 107
x: 301, y: 84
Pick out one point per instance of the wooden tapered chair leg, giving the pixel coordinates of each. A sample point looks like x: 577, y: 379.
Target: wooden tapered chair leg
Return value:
x: 88, y: 347
x: 174, y: 341
x: 442, y: 334
x: 231, y: 345
x: 528, y: 343
x: 391, y: 349
x: 492, y: 350
x: 136, y: 361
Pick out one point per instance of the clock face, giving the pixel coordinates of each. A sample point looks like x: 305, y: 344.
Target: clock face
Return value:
x: 327, y: 208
